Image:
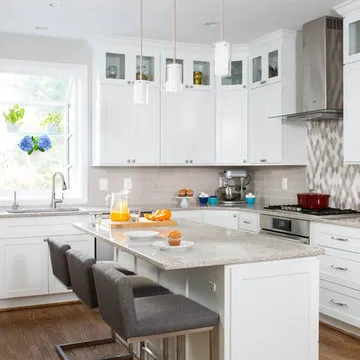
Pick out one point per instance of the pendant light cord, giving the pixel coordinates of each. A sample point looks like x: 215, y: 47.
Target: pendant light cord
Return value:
x: 174, y: 31
x: 141, y: 38
x: 222, y: 27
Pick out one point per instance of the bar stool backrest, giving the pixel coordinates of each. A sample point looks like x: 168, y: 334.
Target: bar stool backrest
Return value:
x: 116, y: 300
x: 82, y: 278
x: 59, y: 262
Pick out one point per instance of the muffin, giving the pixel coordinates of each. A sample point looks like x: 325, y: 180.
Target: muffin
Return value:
x: 174, y: 238
x: 189, y: 192
x: 182, y: 192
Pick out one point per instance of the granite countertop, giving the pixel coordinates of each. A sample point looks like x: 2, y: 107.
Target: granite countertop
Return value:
x: 213, y: 246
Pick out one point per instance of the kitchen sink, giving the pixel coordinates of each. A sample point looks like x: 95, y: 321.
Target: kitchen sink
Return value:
x: 41, y: 210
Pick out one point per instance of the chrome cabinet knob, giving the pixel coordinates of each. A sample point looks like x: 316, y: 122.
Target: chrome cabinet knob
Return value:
x: 191, y: 86
x: 186, y: 86
x: 46, y: 239
x: 244, y: 161
x: 187, y: 161
x: 234, y: 215
x: 332, y: 301
x: 244, y: 86
x: 129, y: 82
x: 190, y: 161
x: 133, y: 161
x: 339, y: 239
x: 338, y: 268
x: 263, y: 160
x: 129, y: 161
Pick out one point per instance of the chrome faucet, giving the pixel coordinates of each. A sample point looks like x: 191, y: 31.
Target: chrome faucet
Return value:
x: 54, y: 200
x: 15, y: 204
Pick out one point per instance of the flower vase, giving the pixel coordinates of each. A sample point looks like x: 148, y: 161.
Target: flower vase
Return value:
x: 34, y: 158
x: 12, y: 128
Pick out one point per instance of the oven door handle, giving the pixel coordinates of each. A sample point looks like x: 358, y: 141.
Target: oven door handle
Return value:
x: 299, y: 239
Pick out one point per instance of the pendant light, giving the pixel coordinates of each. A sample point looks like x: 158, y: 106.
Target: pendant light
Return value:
x: 174, y: 70
x: 222, y: 50
x: 141, y: 90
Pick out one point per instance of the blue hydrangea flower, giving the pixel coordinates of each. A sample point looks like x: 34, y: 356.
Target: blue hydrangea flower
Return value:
x: 44, y: 143
x: 26, y: 143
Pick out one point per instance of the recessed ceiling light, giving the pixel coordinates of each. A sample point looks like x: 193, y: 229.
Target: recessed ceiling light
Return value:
x: 41, y: 28
x: 56, y: 5
x: 211, y: 23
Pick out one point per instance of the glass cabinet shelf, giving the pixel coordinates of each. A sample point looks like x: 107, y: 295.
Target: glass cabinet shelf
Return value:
x: 236, y: 77
x: 354, y: 38
x: 273, y: 70
x: 178, y: 61
x: 201, y: 73
x: 148, y: 68
x: 115, y: 66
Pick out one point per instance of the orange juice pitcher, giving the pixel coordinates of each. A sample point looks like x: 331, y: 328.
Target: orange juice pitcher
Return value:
x: 119, y: 208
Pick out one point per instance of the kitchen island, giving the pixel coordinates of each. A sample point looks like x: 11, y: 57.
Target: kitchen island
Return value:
x: 265, y: 289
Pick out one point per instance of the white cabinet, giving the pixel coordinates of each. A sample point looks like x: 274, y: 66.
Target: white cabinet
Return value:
x: 339, y: 271
x: 351, y: 113
x: 265, y: 63
x: 223, y: 218
x: 126, y: 133
x: 287, y: 318
x: 249, y: 221
x: 231, y: 125
x: 193, y: 215
x: 23, y: 267
x: 265, y: 135
x: 188, y: 127
x: 82, y: 243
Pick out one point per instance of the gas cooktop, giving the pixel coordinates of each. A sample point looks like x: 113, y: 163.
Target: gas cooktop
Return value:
x: 317, y: 212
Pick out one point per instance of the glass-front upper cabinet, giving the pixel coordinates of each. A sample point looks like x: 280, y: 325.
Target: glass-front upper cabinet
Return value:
x: 238, y: 76
x: 123, y: 67
x: 265, y: 67
x: 201, y: 73
x: 352, y: 38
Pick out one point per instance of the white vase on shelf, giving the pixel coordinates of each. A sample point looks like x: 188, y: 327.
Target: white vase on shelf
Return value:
x: 12, y: 128
x: 34, y: 158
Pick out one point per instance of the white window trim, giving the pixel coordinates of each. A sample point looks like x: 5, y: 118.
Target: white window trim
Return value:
x: 79, y: 193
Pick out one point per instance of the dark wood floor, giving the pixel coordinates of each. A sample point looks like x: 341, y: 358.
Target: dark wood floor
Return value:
x: 32, y: 334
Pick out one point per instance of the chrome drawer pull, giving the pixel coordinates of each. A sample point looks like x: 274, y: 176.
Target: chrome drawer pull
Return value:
x: 339, y: 239
x: 247, y: 222
x: 339, y: 268
x: 337, y: 303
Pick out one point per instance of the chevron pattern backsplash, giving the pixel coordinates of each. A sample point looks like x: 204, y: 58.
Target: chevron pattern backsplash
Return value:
x: 326, y: 172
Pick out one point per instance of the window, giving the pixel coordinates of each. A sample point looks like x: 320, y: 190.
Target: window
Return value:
x: 54, y: 99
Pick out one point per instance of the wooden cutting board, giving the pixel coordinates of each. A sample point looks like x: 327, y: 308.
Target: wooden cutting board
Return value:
x: 143, y: 223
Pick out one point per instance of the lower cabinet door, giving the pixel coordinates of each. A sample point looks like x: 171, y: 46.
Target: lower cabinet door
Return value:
x: 79, y: 242
x: 23, y: 267
x: 222, y: 218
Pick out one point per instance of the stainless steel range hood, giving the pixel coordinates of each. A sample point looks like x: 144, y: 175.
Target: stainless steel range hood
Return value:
x: 322, y: 70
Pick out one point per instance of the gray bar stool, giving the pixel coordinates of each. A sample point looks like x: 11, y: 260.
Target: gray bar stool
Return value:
x: 137, y: 320
x: 83, y: 285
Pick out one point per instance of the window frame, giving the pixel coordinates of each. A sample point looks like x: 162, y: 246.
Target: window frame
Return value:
x: 78, y: 194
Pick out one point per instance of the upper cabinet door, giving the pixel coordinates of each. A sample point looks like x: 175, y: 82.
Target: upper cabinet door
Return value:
x: 231, y: 126
x: 351, y: 113
x: 188, y: 127
x: 352, y: 38
x: 150, y: 68
x: 238, y: 78
x: 266, y: 66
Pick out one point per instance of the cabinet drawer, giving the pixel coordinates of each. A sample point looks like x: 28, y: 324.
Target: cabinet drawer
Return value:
x: 340, y: 306
x: 341, y: 238
x: 249, y: 221
x: 341, y: 267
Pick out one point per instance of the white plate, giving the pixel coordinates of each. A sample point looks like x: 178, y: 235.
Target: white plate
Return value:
x: 141, y: 234
x: 164, y: 245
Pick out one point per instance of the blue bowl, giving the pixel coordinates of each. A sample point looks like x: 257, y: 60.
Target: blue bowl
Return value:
x: 213, y: 201
x: 203, y: 200
x: 250, y: 201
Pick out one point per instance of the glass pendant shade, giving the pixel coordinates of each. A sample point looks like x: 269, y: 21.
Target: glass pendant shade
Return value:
x: 141, y: 92
x: 174, y: 78
x: 222, y: 58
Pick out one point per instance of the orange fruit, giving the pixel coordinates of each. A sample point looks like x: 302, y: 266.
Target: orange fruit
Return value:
x: 149, y: 217
x: 163, y: 214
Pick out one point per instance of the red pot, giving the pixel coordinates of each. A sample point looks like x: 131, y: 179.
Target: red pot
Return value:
x: 313, y: 200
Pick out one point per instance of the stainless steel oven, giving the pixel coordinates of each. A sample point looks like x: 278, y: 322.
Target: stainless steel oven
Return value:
x: 292, y: 229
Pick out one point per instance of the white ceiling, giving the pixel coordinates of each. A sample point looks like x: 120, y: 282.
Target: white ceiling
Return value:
x: 245, y: 19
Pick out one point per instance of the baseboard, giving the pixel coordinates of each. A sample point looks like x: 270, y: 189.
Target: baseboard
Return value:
x: 37, y: 301
x: 338, y: 325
